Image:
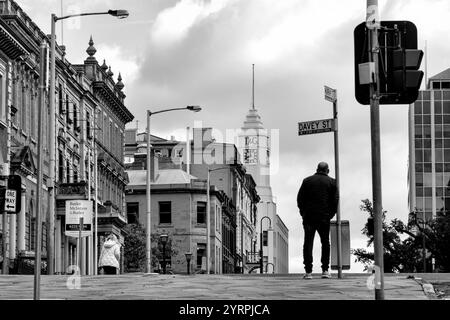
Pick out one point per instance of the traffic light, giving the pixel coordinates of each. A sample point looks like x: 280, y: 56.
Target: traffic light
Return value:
x: 407, y: 77
x: 398, y: 63
x: 370, y: 226
x: 265, y: 238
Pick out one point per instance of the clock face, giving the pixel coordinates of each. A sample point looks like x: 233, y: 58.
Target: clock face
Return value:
x: 250, y: 155
x: 251, y: 141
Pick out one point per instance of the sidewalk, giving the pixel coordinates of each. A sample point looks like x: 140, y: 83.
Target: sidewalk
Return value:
x: 212, y: 287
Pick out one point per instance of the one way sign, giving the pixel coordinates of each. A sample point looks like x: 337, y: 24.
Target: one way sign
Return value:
x: 10, y: 200
x: 10, y: 194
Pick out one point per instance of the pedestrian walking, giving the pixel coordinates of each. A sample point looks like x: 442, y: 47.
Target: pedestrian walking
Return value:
x: 110, y: 256
x: 317, y: 201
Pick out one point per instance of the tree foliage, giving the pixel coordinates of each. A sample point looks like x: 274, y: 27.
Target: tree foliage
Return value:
x: 406, y: 255
x: 135, y: 256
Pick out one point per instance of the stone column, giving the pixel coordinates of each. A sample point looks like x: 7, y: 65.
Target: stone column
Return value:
x: 12, y: 236
x: 67, y: 261
x: 21, y: 223
x: 58, y: 262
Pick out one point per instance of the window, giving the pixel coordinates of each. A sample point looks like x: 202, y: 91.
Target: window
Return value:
x: 68, y: 119
x: 75, y: 116
x: 75, y: 173
x: 201, y: 252
x: 2, y: 95
x: 165, y: 212
x: 133, y: 212
x: 436, y: 85
x: 61, y: 167
x: 60, y: 100
x: 445, y: 85
x: 67, y: 171
x: 88, y: 125
x: 201, y: 212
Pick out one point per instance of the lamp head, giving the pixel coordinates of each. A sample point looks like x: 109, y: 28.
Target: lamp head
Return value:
x: 163, y: 238
x: 194, y: 108
x: 121, y: 14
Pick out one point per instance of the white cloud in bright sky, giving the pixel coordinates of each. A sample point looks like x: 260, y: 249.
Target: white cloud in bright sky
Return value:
x: 201, y: 52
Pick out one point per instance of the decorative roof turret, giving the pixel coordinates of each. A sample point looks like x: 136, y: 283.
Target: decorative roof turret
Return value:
x: 104, y: 66
x: 110, y: 73
x: 91, y: 50
x: 119, y: 83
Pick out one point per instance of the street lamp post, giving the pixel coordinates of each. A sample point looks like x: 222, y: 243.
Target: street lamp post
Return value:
x: 149, y: 146
x: 164, y: 238
x: 51, y: 212
x: 208, y: 212
x: 188, y: 261
x: 261, y: 242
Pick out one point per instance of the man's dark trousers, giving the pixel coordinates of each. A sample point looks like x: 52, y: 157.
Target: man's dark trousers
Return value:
x: 310, y: 228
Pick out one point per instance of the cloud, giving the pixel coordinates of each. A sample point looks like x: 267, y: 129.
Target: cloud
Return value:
x: 173, y: 23
x: 127, y: 65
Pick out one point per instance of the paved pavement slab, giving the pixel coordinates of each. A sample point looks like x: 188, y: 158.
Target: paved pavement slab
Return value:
x: 138, y: 286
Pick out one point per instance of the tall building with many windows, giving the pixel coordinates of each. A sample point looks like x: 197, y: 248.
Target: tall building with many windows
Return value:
x: 429, y: 149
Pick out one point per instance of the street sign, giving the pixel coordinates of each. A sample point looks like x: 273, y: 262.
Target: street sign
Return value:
x: 10, y: 194
x: 76, y: 209
x: 10, y: 201
x: 330, y: 94
x: 316, y: 126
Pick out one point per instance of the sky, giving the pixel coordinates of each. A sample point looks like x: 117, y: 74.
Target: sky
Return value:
x: 173, y: 53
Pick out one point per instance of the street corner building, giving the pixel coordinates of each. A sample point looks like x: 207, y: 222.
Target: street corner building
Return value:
x: 179, y: 202
x: 240, y: 197
x: 90, y: 119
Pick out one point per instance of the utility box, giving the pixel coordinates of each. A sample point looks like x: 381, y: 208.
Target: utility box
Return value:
x: 345, y: 244
x: 366, y: 72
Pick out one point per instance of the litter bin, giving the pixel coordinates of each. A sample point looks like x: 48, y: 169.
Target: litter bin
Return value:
x: 345, y: 244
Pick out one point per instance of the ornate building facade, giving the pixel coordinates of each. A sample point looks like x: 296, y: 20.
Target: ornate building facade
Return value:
x: 90, y: 123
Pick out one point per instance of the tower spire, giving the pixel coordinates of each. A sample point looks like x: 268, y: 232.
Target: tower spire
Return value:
x: 253, y: 87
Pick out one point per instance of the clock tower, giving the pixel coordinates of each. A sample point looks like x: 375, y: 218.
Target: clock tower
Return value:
x: 254, y: 148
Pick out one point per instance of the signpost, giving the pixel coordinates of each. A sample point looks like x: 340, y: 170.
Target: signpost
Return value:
x: 75, y: 210
x: 328, y: 125
x: 331, y: 95
x: 10, y: 203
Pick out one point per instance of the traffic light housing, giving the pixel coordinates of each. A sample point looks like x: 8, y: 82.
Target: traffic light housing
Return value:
x: 399, y: 61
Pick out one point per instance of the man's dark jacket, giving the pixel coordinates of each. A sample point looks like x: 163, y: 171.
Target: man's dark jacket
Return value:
x: 318, y: 198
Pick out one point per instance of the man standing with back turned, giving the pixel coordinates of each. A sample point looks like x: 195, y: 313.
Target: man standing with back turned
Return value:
x: 317, y: 201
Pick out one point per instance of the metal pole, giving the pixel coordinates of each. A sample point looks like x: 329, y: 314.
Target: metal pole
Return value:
x: 338, y: 213
x: 261, y: 249
x: 376, y: 158
x: 242, y: 240
x: 149, y: 226
x: 188, y: 151
x: 95, y: 196
x: 90, y: 203
x: 80, y: 249
x: 39, y: 195
x: 52, y: 150
x: 5, y: 245
x: 164, y: 258
x: 208, y: 209
x: 424, y: 250
x: 188, y: 266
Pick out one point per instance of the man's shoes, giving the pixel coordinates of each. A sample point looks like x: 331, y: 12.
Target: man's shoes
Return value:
x: 326, y: 275
x: 308, y: 276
